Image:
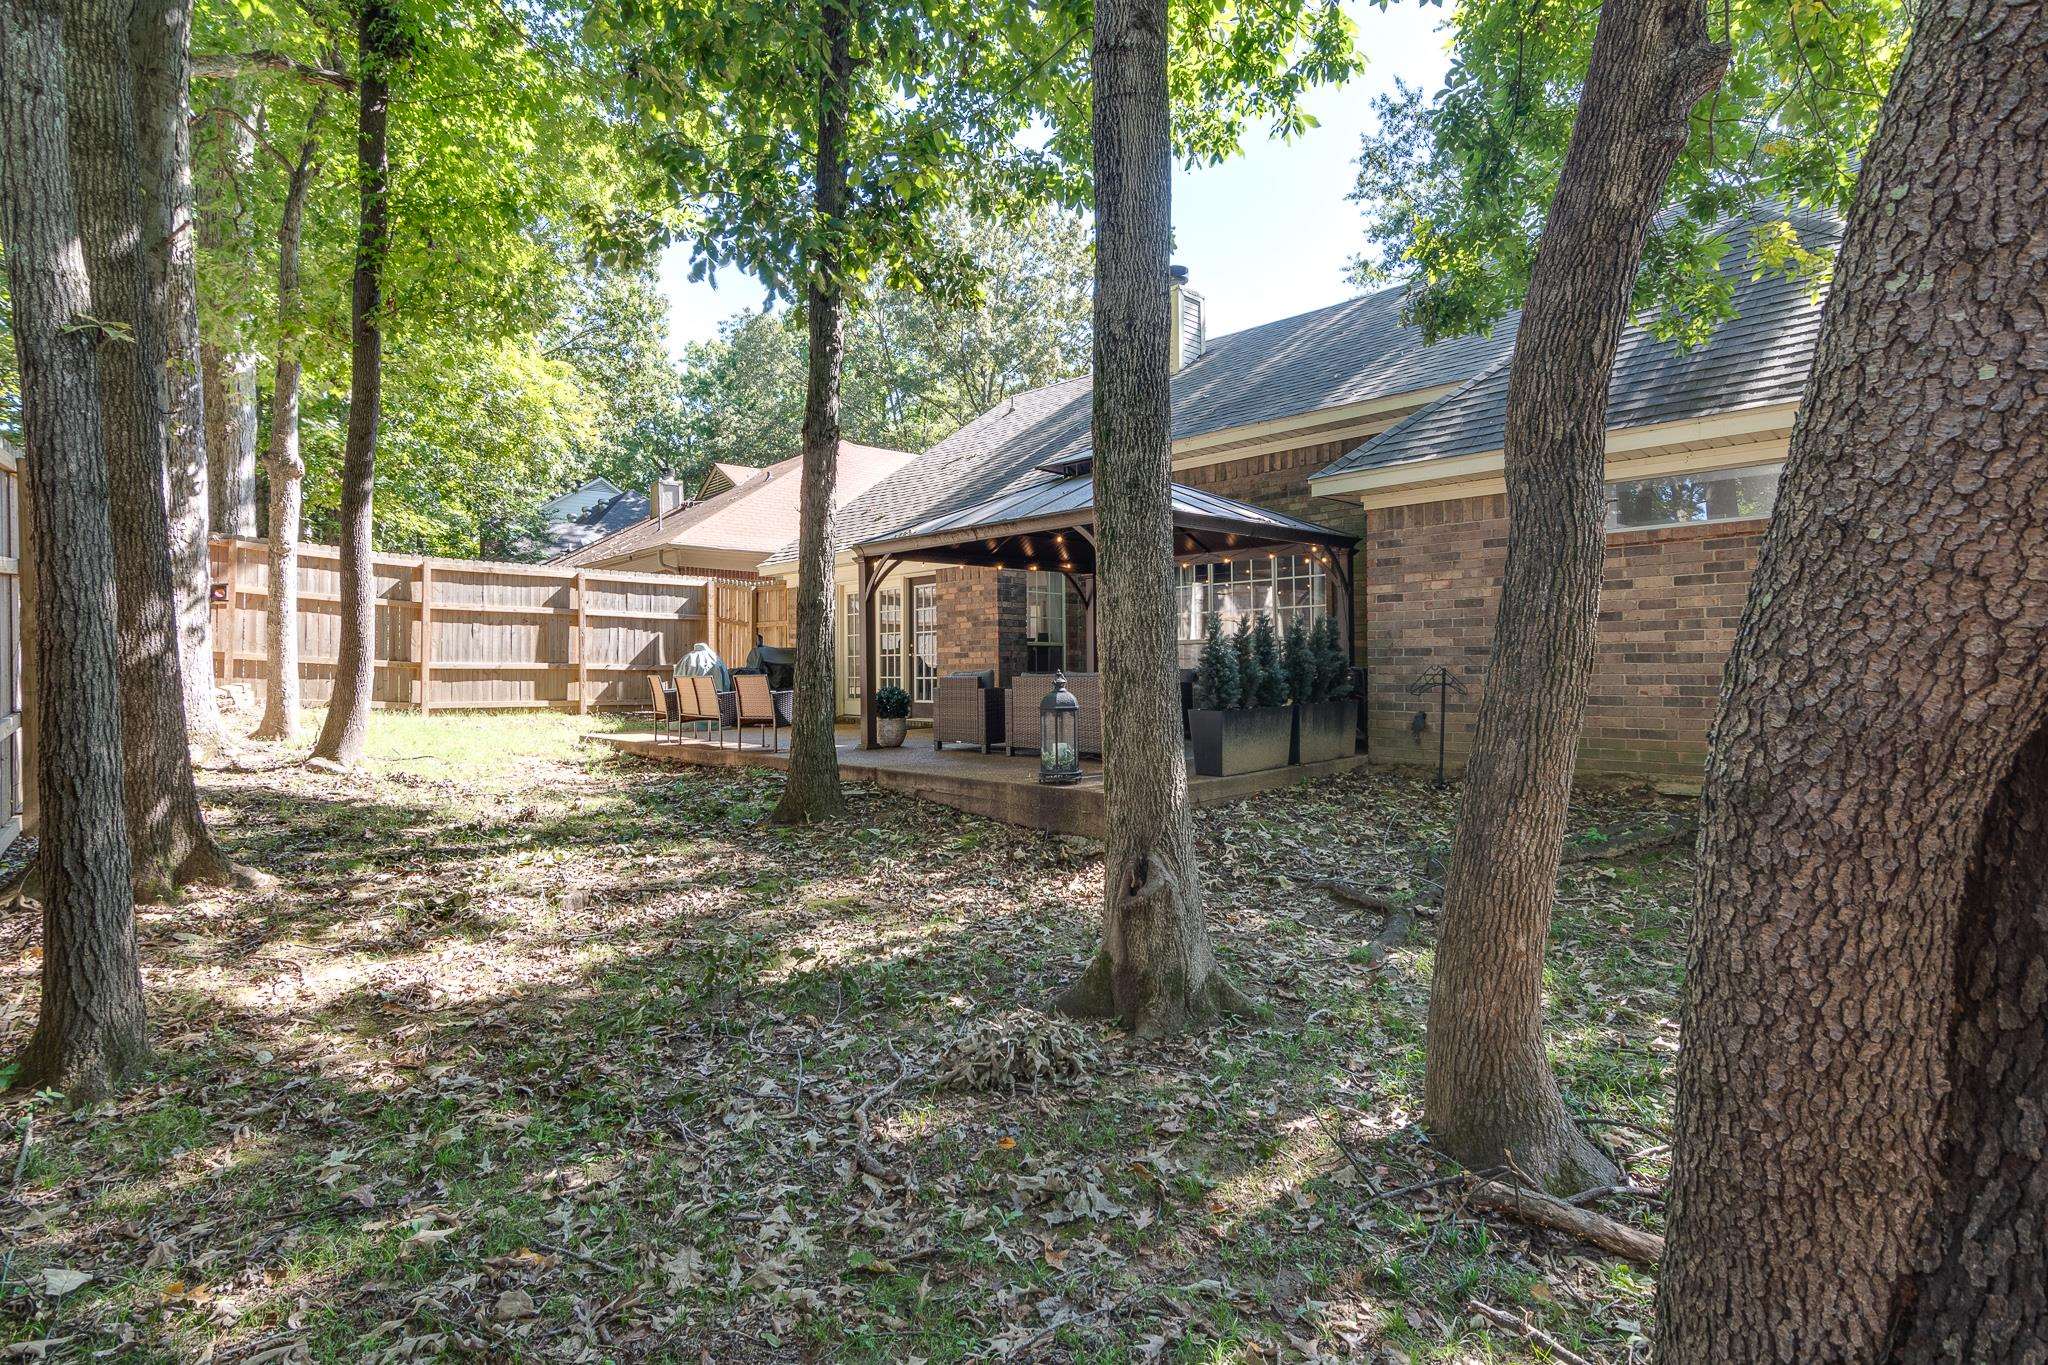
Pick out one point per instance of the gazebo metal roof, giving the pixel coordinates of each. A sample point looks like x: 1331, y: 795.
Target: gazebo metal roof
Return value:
x: 1025, y: 528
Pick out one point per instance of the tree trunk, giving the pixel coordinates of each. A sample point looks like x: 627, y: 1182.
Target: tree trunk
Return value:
x: 379, y: 45
x: 812, y: 789
x: 1155, y: 970
x: 282, y: 460
x: 91, y: 1025
x: 228, y: 373
x: 167, y: 832
x: 229, y: 378
x: 1861, y: 1170
x: 1489, y: 1094
x: 161, y: 38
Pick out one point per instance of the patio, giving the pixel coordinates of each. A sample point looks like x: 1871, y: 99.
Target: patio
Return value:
x: 993, y: 785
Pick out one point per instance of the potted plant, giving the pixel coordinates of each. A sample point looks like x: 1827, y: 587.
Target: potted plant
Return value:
x: 1325, y: 719
x: 892, y: 716
x: 1235, y: 725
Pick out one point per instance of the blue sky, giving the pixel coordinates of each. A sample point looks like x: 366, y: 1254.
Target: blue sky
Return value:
x: 1265, y: 235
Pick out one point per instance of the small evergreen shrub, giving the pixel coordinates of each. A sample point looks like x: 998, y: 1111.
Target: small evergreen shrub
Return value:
x: 1333, y: 669
x: 1216, y: 681
x: 1302, y: 665
x: 1272, y: 690
x: 891, y: 703
x: 1249, y: 681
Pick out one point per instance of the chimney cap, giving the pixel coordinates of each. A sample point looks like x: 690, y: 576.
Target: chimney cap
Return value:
x: 1177, y: 273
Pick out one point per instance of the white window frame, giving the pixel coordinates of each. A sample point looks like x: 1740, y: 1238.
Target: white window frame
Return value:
x: 1045, y: 594
x: 849, y: 634
x: 1614, y: 487
x: 924, y: 640
x: 888, y: 638
x: 1282, y: 584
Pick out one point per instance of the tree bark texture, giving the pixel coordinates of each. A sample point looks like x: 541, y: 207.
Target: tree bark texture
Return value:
x: 1155, y: 970
x: 1860, y: 1144
x: 812, y: 789
x: 229, y: 378
x: 161, y: 40
x: 228, y: 372
x: 167, y: 832
x: 283, y: 462
x: 379, y: 44
x: 90, y: 1025
x: 1490, y: 1098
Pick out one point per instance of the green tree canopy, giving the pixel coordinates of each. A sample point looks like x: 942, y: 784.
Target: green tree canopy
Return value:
x: 1455, y: 186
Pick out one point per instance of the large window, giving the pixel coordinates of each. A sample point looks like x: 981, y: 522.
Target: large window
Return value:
x: 1689, y: 499
x: 1045, y: 621
x: 1286, y: 587
x: 849, y: 632
x: 889, y: 638
x: 924, y: 662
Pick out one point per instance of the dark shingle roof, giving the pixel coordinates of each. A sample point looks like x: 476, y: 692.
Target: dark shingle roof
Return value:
x: 1350, y: 352
x: 1759, y: 358
x: 583, y: 515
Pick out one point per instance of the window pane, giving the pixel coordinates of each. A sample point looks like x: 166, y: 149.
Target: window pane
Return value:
x: 1690, y: 499
x: 924, y: 668
x: 889, y: 638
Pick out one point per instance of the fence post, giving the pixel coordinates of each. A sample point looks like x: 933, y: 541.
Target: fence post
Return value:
x: 581, y: 590
x: 426, y: 649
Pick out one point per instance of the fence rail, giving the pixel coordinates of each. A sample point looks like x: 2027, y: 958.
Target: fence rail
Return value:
x: 467, y: 634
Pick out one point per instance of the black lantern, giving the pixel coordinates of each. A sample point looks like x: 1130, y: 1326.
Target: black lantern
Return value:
x: 1059, y: 757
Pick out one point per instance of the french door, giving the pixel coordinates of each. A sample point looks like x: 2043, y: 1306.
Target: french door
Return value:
x: 907, y: 642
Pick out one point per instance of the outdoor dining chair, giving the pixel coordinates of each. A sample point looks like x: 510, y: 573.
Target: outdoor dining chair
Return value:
x: 756, y: 706
x: 665, y: 709
x: 697, y: 701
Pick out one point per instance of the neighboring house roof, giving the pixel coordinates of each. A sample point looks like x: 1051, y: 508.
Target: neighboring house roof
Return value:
x: 1759, y: 358
x: 755, y: 516
x: 1334, y: 357
x: 585, y: 514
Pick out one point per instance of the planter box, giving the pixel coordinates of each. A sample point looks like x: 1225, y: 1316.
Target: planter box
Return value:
x: 1227, y: 743
x: 1325, y: 730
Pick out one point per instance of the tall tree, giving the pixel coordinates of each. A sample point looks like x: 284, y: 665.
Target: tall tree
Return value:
x: 380, y: 46
x: 167, y: 832
x: 1155, y: 970
x: 161, y: 39
x: 226, y: 151
x: 91, y: 1022
x: 812, y: 789
x: 1861, y: 1165
x: 282, y: 460
x: 1489, y: 1097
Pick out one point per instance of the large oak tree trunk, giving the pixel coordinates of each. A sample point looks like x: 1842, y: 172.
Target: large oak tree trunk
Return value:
x: 1862, y: 1170
x: 90, y: 1027
x: 812, y: 790
x: 1489, y: 1095
x: 161, y: 39
x: 166, y: 830
x: 282, y: 460
x: 379, y: 45
x: 1155, y: 970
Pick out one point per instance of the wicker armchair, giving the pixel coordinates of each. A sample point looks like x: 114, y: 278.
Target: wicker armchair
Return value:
x: 1020, y: 712
x: 967, y: 709
x: 756, y: 707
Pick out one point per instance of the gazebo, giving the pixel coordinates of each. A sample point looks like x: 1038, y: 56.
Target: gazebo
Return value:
x: 1049, y: 526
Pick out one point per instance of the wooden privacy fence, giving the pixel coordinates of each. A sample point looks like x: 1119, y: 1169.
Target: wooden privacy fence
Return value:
x: 473, y: 634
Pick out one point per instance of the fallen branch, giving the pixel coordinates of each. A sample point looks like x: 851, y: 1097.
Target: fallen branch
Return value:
x: 1527, y: 1330
x: 1392, y: 935
x: 1541, y: 1210
x: 1633, y: 841
x: 1353, y: 894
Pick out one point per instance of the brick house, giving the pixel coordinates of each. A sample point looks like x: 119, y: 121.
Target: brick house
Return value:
x: 1343, y: 418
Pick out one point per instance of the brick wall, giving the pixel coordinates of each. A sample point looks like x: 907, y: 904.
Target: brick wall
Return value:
x: 1279, y: 482
x: 981, y: 621
x: 1669, y: 606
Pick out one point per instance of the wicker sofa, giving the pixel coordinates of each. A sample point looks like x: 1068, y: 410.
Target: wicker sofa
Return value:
x: 1020, y: 710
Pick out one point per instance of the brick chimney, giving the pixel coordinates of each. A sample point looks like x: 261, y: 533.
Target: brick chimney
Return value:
x: 668, y: 495
x: 1190, y: 330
